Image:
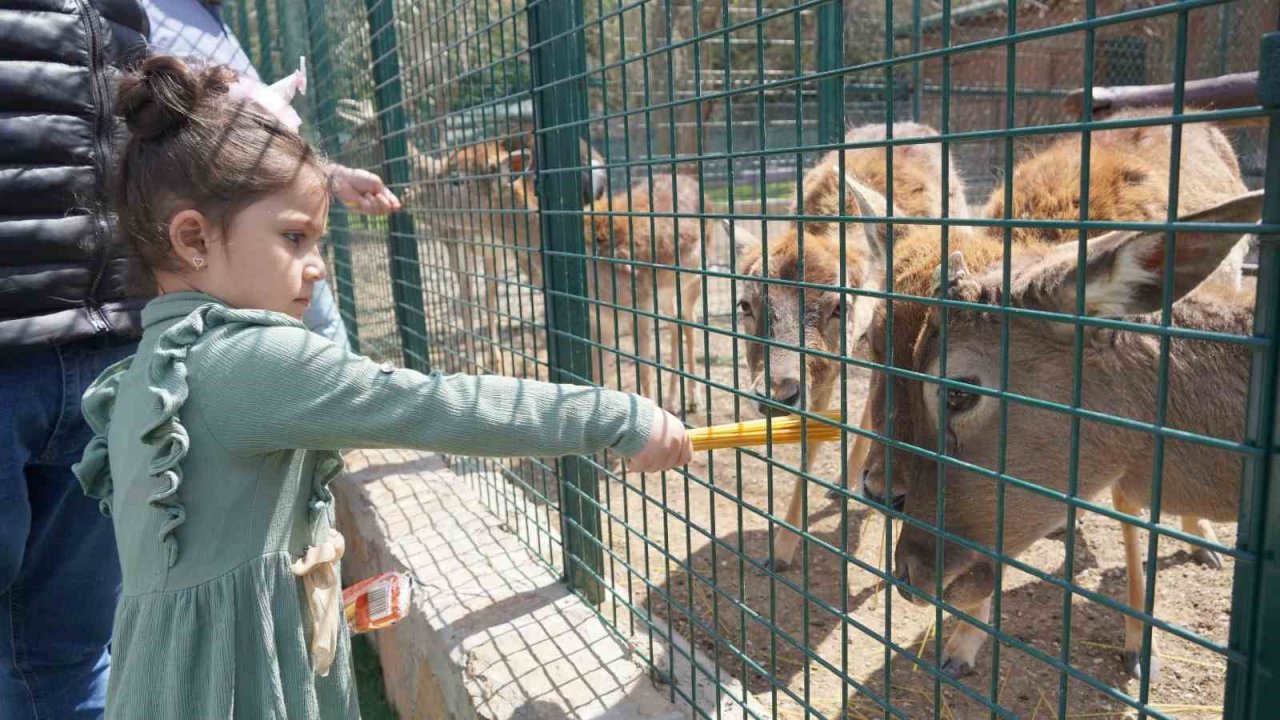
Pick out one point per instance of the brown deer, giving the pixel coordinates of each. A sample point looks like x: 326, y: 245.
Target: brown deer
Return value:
x: 487, y: 204
x: 483, y: 201
x: 641, y: 247
x: 1124, y: 276
x: 1128, y: 181
x: 788, y: 317
x: 1124, y: 162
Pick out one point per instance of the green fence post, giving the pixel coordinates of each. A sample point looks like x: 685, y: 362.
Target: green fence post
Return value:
x: 291, y: 28
x: 1252, y: 690
x: 831, y: 57
x: 831, y: 31
x: 388, y: 99
x: 917, y: 77
x: 326, y: 115
x: 266, y: 68
x: 242, y: 29
x: 558, y: 57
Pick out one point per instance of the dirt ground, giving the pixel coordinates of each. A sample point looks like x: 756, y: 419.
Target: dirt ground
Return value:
x: 679, y: 544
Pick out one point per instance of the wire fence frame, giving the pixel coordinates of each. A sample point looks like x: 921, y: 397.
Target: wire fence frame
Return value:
x: 429, y: 92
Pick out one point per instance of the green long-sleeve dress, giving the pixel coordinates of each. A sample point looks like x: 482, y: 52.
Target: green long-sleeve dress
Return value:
x: 213, y: 450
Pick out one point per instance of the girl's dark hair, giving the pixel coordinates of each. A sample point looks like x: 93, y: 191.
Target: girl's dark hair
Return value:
x: 193, y: 147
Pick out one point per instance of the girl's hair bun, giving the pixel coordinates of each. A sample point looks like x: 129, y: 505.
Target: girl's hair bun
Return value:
x: 165, y: 93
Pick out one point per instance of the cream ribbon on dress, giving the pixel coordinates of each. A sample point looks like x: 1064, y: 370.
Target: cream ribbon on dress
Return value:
x: 318, y: 569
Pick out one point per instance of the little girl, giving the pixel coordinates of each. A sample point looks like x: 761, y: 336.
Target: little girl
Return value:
x: 215, y: 444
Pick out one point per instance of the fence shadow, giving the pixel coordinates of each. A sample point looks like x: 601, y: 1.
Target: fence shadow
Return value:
x: 741, y: 641
x: 1027, y: 686
x: 702, y: 604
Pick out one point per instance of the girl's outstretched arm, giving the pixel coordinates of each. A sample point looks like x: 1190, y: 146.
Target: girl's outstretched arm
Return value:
x: 266, y: 388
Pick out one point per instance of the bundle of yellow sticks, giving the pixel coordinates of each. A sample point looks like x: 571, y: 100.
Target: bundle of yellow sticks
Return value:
x: 781, y: 431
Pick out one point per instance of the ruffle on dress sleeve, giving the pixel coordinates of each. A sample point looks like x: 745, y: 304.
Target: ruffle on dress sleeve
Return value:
x: 167, y: 381
x: 94, y: 468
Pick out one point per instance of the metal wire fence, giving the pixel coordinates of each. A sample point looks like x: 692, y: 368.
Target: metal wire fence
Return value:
x: 606, y: 191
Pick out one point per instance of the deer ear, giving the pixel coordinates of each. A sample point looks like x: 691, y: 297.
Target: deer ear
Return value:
x: 747, y: 247
x: 520, y: 139
x: 1125, y: 271
x: 820, y: 195
x: 875, y: 229
x: 517, y: 161
x: 595, y: 180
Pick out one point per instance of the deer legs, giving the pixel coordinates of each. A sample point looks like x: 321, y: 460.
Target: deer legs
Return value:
x: 1136, y: 589
x: 457, y: 253
x: 961, y: 650
x: 491, y: 309
x: 1198, y: 526
x: 685, y: 309
x: 857, y: 459
x: 785, y: 541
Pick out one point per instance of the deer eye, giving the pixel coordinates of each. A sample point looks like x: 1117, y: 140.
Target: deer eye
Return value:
x: 958, y: 400
x: 838, y: 311
x: 745, y: 308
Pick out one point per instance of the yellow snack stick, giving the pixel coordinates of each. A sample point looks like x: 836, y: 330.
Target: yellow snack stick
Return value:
x: 786, y: 430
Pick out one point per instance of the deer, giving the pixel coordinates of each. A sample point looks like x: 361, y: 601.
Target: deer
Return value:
x: 811, y: 251
x: 638, y: 248
x: 1128, y: 173
x: 1124, y: 275
x: 495, y: 180
x: 1129, y: 170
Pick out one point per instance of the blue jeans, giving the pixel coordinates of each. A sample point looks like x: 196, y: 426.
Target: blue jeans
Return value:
x: 322, y: 317
x: 59, y: 574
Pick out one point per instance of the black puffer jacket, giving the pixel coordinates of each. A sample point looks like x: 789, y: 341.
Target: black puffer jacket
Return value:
x: 61, y: 277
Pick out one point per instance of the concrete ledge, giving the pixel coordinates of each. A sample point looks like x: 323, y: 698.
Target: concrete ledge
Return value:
x: 493, y: 634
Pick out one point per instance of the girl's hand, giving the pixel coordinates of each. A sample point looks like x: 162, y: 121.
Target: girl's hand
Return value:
x: 668, y: 445
x: 362, y: 191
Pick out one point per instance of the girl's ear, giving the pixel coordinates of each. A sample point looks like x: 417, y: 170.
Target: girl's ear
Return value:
x: 190, y: 234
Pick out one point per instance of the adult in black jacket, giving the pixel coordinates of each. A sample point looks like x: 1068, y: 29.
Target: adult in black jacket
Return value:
x: 65, y: 315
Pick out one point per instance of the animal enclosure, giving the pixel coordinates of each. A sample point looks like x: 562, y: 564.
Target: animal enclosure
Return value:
x: 1052, y: 334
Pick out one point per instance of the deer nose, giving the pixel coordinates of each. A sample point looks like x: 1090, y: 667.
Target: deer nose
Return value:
x: 899, y: 499
x: 866, y: 488
x: 911, y: 566
x: 904, y: 575
x: 785, y: 391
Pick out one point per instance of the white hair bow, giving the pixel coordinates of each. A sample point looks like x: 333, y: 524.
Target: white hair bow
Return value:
x: 275, y: 98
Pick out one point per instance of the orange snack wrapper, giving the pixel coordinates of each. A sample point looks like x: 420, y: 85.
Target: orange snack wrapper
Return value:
x: 377, y: 602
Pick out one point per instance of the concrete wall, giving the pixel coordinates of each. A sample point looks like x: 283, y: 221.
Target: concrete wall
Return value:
x: 493, y: 633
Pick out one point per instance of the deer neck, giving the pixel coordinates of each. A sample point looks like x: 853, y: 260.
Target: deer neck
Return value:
x: 1207, y: 381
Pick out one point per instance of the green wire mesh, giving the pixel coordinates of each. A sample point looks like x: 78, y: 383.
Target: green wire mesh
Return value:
x: 499, y: 121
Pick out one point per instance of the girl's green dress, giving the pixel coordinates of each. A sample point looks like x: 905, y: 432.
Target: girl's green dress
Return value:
x: 213, y: 451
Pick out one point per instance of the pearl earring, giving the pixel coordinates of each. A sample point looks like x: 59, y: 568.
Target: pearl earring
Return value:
x: 198, y: 262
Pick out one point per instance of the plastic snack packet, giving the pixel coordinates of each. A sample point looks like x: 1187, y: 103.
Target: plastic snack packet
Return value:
x: 377, y: 602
